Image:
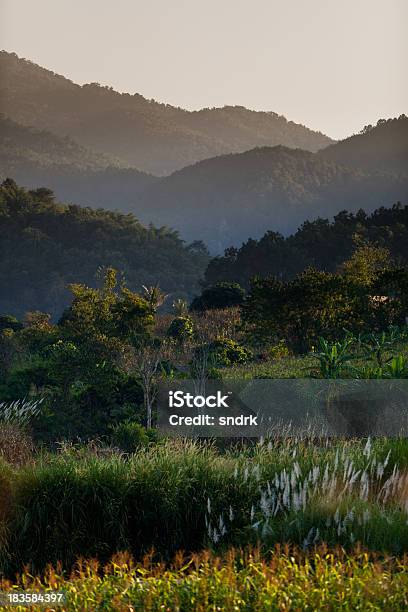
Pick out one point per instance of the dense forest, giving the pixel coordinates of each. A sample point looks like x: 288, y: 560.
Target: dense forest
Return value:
x: 145, y: 134
x: 76, y: 174
x: 44, y: 245
x: 224, y: 200
x: 235, y: 173
x: 321, y: 244
x: 380, y: 147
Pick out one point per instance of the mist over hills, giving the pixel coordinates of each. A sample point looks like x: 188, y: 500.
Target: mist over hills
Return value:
x: 45, y: 245
x: 83, y: 141
x: 157, y: 138
x: 76, y: 174
x: 380, y: 147
x: 229, y: 198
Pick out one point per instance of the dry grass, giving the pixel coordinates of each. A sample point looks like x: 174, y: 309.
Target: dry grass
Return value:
x: 16, y: 445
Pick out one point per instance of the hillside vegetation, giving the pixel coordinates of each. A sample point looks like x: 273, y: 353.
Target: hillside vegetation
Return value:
x: 321, y: 243
x: 380, y: 147
x: 37, y: 158
x: 142, y: 133
x: 45, y: 245
x: 225, y: 200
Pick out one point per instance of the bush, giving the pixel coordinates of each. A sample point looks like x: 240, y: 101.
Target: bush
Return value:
x: 129, y: 436
x: 315, y: 304
x: 226, y: 352
x: 10, y: 322
x: 221, y: 295
x: 278, y: 351
x: 181, y: 329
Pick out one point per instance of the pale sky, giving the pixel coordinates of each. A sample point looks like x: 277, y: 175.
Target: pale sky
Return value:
x: 333, y: 65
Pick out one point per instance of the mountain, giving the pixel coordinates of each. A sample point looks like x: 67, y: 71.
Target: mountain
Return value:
x: 37, y: 157
x: 157, y: 138
x: 45, y: 245
x: 380, y: 147
x: 226, y: 199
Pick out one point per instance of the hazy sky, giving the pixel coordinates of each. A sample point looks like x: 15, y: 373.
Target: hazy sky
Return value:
x: 334, y: 65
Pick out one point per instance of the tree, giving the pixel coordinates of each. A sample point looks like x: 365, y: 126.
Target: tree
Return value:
x: 110, y: 311
x: 221, y: 295
x: 313, y: 304
x: 366, y: 263
x: 146, y: 362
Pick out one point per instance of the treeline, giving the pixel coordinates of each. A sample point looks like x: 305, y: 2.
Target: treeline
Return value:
x: 321, y: 244
x: 45, y: 245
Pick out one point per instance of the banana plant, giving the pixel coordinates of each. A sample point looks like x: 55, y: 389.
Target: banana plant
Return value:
x: 334, y: 358
x: 398, y: 367
x: 378, y: 345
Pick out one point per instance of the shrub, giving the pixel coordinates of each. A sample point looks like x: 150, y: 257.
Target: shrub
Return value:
x: 221, y: 295
x: 181, y: 329
x: 129, y: 436
x: 313, y: 304
x: 10, y: 322
x: 226, y: 352
x: 278, y: 351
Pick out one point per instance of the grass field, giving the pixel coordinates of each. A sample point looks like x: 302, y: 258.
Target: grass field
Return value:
x: 189, y: 496
x: 285, y: 524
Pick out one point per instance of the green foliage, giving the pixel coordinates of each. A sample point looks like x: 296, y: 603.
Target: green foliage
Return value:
x: 315, y: 304
x: 221, y: 295
x: 334, y: 358
x: 366, y: 263
x: 109, y: 311
x: 174, y: 497
x: 225, y: 352
x: 181, y: 329
x: 77, y: 366
x: 44, y: 246
x: 322, y: 244
x: 278, y: 351
x: 10, y: 322
x: 397, y: 367
x: 235, y: 580
x: 128, y: 436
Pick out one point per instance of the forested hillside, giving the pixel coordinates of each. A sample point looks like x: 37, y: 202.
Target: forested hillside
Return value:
x: 45, y: 245
x: 380, y: 147
x: 142, y: 133
x: 225, y: 200
x: 38, y: 157
x: 320, y: 244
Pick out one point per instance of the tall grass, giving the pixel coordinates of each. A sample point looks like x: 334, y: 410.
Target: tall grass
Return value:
x: 185, y: 496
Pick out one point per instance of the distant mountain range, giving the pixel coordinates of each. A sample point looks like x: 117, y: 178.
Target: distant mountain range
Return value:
x: 90, y: 143
x: 141, y: 133
x: 227, y: 199
x: 380, y: 147
x: 38, y: 157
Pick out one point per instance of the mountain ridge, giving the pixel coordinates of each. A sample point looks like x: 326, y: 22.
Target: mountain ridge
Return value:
x: 151, y: 136
x: 228, y: 198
